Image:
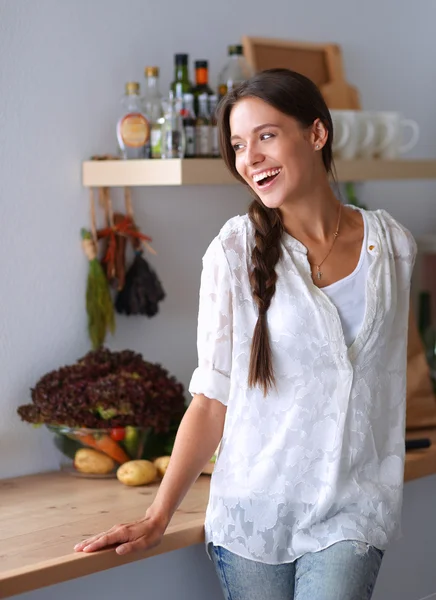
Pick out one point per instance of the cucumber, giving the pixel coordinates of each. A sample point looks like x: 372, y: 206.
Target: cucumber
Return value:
x: 66, y: 445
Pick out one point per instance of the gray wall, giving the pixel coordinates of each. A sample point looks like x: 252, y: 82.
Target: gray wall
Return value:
x: 62, y: 70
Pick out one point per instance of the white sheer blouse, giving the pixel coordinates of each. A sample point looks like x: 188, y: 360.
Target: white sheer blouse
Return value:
x: 321, y: 458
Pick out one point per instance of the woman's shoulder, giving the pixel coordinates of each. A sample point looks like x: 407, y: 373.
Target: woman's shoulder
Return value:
x: 393, y: 233
x: 231, y: 239
x: 234, y: 228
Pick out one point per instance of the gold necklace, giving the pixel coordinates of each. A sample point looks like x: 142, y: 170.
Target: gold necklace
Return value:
x: 335, y: 235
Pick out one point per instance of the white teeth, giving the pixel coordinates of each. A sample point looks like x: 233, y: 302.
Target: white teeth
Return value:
x: 270, y: 173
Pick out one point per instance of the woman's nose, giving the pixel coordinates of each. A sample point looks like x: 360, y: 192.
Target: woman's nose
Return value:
x: 252, y: 155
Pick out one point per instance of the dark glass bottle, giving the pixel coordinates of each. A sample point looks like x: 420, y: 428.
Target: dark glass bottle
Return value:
x: 201, y: 82
x: 189, y: 121
x: 215, y: 149
x: 424, y: 312
x: 427, y: 330
x: 181, y: 84
x: 203, y: 128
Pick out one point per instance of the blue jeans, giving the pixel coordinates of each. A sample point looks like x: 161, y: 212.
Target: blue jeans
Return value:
x: 344, y: 571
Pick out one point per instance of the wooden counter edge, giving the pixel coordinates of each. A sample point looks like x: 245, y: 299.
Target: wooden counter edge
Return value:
x: 419, y: 463
x: 80, y: 564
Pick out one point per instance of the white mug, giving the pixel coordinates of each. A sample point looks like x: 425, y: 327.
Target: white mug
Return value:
x: 390, y: 127
x: 380, y: 138
x: 341, y: 132
x: 362, y: 133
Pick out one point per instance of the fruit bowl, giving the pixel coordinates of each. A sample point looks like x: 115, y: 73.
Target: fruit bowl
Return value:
x: 106, y: 449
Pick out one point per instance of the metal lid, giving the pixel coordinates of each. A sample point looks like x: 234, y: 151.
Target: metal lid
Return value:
x: 201, y: 64
x: 181, y: 59
x: 132, y: 87
x: 236, y: 49
x: 151, y: 71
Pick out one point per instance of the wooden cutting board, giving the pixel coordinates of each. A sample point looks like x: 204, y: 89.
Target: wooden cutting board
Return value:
x: 322, y: 63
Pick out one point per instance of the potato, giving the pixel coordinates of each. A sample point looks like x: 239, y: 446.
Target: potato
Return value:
x: 137, y: 472
x: 87, y: 460
x: 161, y: 464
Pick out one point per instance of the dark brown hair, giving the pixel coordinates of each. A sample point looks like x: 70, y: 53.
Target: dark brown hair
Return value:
x: 297, y: 96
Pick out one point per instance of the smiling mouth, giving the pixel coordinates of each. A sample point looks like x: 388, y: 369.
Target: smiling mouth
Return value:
x: 263, y: 180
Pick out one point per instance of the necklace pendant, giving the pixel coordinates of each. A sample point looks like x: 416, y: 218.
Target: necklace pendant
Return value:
x: 319, y: 274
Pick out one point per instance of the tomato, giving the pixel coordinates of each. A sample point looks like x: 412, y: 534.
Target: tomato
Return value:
x: 118, y: 434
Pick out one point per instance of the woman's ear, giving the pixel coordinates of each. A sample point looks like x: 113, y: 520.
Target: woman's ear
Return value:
x: 318, y: 135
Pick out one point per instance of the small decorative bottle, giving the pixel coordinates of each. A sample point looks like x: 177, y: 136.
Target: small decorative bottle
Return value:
x: 173, y: 134
x: 133, y: 128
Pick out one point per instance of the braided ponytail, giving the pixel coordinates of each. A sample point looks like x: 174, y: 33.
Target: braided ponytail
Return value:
x: 263, y: 277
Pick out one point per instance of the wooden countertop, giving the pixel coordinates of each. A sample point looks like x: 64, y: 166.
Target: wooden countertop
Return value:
x: 43, y: 516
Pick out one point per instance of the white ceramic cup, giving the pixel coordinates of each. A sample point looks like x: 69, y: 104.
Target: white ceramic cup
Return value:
x: 378, y: 140
x: 390, y: 128
x: 362, y: 133
x: 341, y: 131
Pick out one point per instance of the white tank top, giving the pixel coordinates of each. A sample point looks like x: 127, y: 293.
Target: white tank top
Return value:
x: 349, y: 294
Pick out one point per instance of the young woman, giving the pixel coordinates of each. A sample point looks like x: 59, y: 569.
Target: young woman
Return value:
x: 302, y: 337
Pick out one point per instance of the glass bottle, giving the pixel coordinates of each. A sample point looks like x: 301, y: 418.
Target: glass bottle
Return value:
x: 427, y: 330
x: 173, y: 134
x: 201, y: 81
x: 181, y: 84
x: 189, y: 119
x: 133, y: 128
x: 153, y: 109
x: 214, y: 138
x: 235, y: 71
x: 202, y: 128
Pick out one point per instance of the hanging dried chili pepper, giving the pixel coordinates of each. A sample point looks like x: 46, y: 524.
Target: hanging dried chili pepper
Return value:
x: 118, y: 228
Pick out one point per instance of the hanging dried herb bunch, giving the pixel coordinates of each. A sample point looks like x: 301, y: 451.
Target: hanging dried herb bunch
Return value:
x: 107, y: 389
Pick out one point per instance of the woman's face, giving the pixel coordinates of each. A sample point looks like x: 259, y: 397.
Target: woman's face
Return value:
x: 273, y: 153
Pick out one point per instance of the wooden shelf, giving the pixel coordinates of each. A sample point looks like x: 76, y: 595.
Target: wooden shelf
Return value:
x: 371, y: 170
x: 174, y: 171
x: 212, y: 171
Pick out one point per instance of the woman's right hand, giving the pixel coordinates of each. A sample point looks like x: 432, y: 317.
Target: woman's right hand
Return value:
x: 129, y: 537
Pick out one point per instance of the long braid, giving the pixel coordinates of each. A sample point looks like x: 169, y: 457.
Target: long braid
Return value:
x: 263, y: 277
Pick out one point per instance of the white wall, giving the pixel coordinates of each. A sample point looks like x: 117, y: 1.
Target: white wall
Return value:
x: 63, y: 65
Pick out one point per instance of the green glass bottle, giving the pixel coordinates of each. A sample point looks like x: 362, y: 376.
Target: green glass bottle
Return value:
x: 427, y: 331
x: 181, y: 84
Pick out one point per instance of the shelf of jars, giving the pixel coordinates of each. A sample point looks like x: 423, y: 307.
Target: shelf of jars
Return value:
x: 212, y: 171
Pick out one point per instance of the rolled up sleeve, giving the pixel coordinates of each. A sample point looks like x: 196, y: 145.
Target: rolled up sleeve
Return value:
x: 214, y: 331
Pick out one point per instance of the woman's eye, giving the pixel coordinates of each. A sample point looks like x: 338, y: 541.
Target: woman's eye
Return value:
x: 266, y: 136
x: 237, y: 147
